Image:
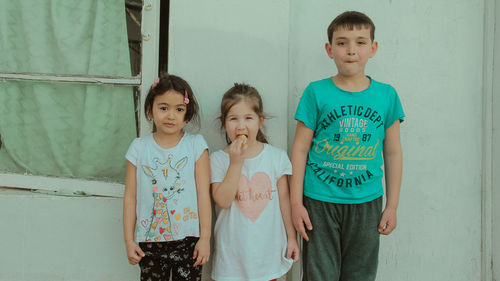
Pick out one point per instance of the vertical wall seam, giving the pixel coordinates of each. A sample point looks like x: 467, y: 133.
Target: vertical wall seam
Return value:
x: 487, y: 135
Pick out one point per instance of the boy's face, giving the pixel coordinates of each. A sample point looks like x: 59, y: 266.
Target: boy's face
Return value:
x: 351, y: 49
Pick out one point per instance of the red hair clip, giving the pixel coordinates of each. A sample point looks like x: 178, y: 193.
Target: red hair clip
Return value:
x: 155, y: 82
x: 186, y: 99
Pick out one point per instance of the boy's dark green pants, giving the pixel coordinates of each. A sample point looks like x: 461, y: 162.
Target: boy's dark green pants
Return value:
x: 344, y: 242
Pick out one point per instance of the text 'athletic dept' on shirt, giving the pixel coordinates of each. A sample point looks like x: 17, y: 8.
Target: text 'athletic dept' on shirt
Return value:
x: 345, y: 159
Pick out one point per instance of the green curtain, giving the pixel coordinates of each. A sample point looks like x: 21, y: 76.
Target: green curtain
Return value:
x: 65, y: 129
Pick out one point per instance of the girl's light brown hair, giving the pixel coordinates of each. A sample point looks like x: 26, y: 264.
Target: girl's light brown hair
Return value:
x: 242, y: 92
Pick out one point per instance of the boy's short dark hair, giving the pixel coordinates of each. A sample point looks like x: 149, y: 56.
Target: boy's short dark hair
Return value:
x: 349, y: 20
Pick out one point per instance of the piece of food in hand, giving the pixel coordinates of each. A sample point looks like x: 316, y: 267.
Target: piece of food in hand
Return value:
x: 244, y: 139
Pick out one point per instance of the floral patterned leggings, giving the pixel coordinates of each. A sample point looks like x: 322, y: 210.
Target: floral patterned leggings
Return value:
x: 163, y: 258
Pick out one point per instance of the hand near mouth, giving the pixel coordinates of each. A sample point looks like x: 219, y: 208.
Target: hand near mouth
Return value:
x: 237, y: 148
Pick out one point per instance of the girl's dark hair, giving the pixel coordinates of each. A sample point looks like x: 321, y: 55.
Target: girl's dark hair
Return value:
x: 237, y: 93
x: 171, y: 82
x: 349, y: 20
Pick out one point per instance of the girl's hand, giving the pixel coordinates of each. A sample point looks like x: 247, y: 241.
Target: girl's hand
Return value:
x: 236, y: 150
x: 388, y: 221
x: 292, y: 250
x: 300, y: 216
x: 201, y: 251
x: 134, y: 252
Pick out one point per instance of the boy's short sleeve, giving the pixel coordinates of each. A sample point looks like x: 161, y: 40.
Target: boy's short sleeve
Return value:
x: 133, y: 152
x: 199, y: 146
x: 395, y: 110
x: 307, y: 110
x: 219, y: 164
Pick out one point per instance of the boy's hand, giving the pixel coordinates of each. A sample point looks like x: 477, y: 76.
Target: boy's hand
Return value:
x: 134, y: 252
x: 299, y: 218
x: 292, y: 250
x: 388, y: 221
x: 201, y: 251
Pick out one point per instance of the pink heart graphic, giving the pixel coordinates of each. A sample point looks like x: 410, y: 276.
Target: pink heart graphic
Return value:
x: 175, y: 201
x: 254, y: 195
x: 144, y: 223
x: 167, y: 237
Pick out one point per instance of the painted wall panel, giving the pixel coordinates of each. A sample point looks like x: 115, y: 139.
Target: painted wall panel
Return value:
x: 496, y: 151
x: 62, y: 238
x: 217, y: 43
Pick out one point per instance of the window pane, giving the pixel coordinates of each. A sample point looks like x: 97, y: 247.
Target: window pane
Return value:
x: 65, y: 129
x: 133, y: 10
x: 77, y: 37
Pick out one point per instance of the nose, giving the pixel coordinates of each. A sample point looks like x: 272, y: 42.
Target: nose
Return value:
x: 240, y: 125
x: 351, y: 49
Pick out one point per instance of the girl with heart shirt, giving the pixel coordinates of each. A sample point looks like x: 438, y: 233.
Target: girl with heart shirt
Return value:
x: 254, y: 235
x: 167, y: 212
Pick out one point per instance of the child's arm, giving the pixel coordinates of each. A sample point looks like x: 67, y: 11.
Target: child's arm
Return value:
x: 393, y: 162
x: 224, y: 192
x: 300, y: 149
x: 202, y: 176
x: 134, y: 252
x: 292, y: 250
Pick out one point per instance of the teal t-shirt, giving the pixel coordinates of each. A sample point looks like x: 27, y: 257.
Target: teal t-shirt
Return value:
x: 345, y: 160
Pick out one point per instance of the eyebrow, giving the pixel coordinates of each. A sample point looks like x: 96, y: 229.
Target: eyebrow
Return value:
x: 357, y: 38
x: 180, y: 104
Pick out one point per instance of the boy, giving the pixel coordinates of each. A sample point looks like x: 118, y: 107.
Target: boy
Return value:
x: 344, y: 124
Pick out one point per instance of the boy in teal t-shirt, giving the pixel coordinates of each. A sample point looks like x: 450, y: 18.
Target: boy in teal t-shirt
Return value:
x: 345, y: 124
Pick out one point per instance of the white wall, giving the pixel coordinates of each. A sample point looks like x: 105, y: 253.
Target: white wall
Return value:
x: 214, y: 44
x: 431, y: 52
x: 46, y: 237
x: 496, y: 151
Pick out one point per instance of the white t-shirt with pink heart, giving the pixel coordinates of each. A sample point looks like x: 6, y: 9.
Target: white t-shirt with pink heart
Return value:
x: 250, y: 236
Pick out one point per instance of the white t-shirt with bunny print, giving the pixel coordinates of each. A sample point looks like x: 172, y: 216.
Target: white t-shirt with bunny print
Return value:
x: 250, y: 236
x: 167, y: 207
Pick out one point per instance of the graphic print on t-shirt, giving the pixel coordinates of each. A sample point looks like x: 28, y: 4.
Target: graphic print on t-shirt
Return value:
x: 353, y: 141
x: 166, y: 185
x: 253, y: 195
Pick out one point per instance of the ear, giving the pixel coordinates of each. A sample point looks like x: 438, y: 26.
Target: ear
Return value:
x: 374, y: 49
x: 329, y: 51
x: 261, y: 123
x: 181, y: 163
x: 147, y: 171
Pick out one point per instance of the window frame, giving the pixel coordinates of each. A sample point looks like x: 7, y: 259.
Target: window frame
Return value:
x: 150, y: 27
